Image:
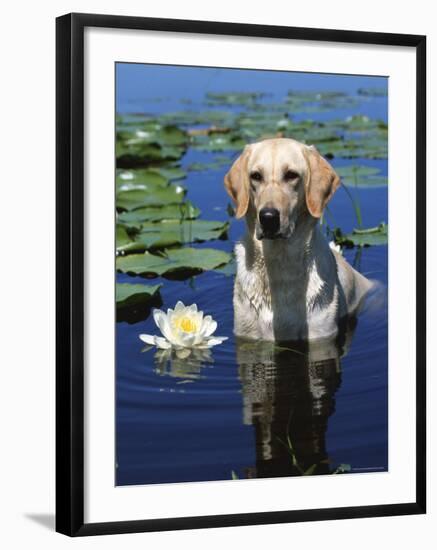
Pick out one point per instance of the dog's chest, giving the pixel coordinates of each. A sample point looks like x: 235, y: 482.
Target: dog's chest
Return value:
x: 281, y: 302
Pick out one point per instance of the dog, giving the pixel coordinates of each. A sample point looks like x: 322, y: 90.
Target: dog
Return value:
x: 291, y: 285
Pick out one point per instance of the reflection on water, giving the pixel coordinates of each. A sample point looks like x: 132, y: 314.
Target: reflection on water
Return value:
x: 183, y: 363
x: 288, y: 394
x: 288, y: 397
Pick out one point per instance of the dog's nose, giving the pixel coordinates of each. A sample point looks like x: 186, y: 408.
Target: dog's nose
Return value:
x: 269, y: 220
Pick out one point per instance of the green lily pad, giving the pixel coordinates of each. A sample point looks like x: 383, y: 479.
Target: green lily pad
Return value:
x: 229, y: 269
x: 171, y: 135
x: 270, y: 108
x: 233, y: 98
x: 257, y: 125
x: 137, y: 153
x: 194, y: 118
x: 321, y: 134
x: 171, y: 233
x: 333, y: 149
x: 152, y: 132
x: 355, y: 170
x: 178, y: 262
x: 137, y: 179
x: 363, y: 237
x: 373, y: 181
x: 128, y: 295
x: 219, y: 142
x: 353, y: 149
x: 369, y: 182
x: 217, y: 163
x: 360, y: 123
x: 361, y: 176
x: 151, y: 187
x: 149, y: 196
x: 373, y: 92
x: 309, y: 95
x: 318, y: 101
x: 183, y: 211
x: 122, y: 236
x: 147, y: 142
x: 272, y: 124
x: 151, y: 178
x: 171, y: 173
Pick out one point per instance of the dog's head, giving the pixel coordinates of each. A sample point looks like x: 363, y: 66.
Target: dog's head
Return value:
x: 274, y: 181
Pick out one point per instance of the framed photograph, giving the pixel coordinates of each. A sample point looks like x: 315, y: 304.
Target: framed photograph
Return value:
x: 240, y: 274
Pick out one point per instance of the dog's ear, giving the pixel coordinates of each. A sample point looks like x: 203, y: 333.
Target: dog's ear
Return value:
x: 321, y: 182
x: 237, y: 183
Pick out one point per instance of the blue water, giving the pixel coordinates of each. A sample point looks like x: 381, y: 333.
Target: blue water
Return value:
x: 197, y: 419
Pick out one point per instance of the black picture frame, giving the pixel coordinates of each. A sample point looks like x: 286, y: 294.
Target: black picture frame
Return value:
x: 70, y: 273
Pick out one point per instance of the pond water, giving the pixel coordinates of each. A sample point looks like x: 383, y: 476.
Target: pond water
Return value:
x: 248, y: 411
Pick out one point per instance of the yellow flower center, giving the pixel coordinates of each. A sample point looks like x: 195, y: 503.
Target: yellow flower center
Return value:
x: 186, y: 324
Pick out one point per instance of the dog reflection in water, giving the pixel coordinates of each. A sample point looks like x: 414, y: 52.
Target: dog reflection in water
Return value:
x: 288, y: 397
x: 288, y: 394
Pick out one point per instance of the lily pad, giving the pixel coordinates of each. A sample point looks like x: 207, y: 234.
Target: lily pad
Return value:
x: 371, y: 236
x: 229, y: 269
x: 178, y: 262
x: 233, y: 98
x: 148, y: 142
x: 361, y: 176
x: 360, y: 123
x: 194, y: 118
x: 318, y: 101
x: 373, y: 181
x: 153, y: 132
x: 219, y: 142
x: 354, y: 149
x: 373, y: 92
x: 217, y: 163
x: 355, y: 170
x: 369, y: 182
x: 137, y: 153
x: 128, y: 295
x: 122, y: 236
x: 171, y: 233
x: 149, y: 196
x: 183, y: 211
x: 135, y: 301
x: 257, y: 125
x: 137, y: 179
x: 321, y: 134
x: 171, y: 135
x: 171, y: 173
x: 310, y: 95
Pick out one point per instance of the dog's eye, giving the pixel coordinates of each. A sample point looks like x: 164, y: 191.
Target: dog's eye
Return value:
x: 291, y: 175
x: 256, y: 176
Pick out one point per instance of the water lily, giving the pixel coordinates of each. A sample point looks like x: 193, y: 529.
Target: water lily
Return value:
x: 183, y: 327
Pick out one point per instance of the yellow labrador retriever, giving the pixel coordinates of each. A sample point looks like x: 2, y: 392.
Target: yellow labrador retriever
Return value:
x: 290, y: 283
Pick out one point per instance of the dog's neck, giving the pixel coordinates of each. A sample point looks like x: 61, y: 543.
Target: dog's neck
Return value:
x: 294, y: 254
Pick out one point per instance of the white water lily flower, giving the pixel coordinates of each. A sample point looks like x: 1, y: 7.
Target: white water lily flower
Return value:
x: 183, y: 327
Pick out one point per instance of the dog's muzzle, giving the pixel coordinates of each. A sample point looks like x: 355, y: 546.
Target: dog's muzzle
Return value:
x: 270, y: 222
